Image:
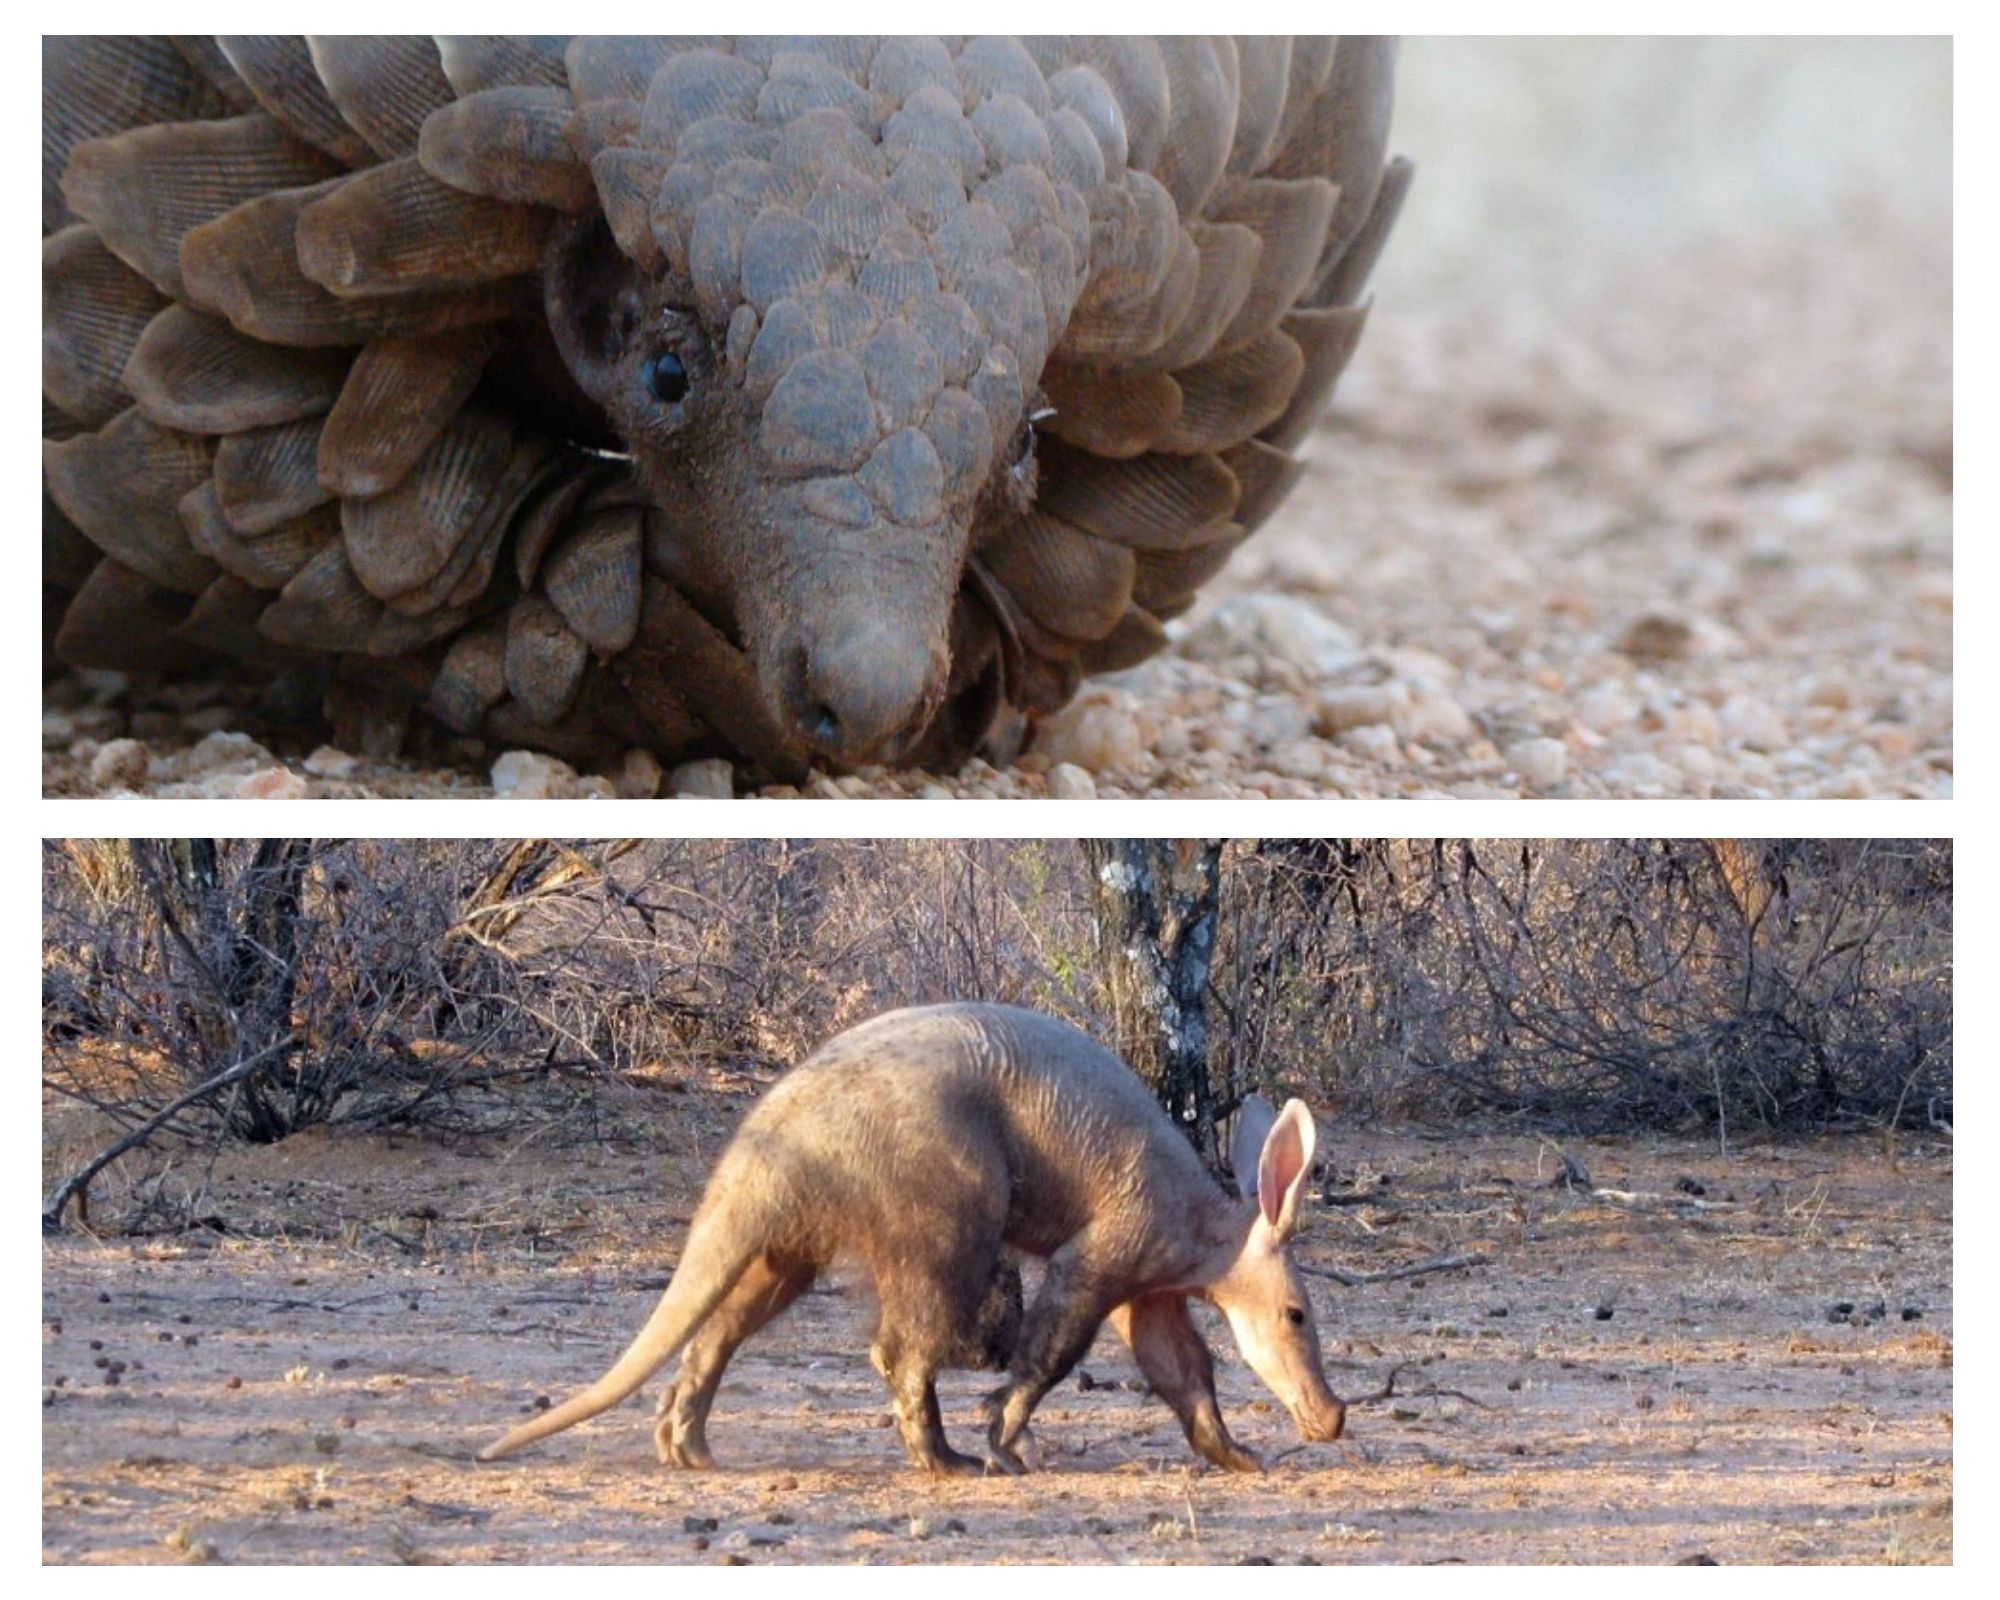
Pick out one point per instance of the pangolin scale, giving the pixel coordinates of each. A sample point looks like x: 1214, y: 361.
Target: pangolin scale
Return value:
x: 817, y: 401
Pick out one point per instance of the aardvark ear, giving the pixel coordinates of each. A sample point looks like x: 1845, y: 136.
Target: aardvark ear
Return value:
x: 1246, y: 1146
x: 1283, y: 1166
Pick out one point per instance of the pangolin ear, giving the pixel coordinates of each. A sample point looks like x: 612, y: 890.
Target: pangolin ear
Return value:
x: 596, y: 297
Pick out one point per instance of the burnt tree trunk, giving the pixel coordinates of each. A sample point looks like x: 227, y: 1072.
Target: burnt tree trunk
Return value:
x: 1155, y: 904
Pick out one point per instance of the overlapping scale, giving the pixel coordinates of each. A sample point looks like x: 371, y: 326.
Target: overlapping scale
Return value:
x: 278, y: 69
x: 395, y: 228
x: 245, y: 266
x: 593, y: 578
x: 198, y: 374
x: 144, y: 189
x: 94, y: 310
x: 400, y: 540
x: 510, y: 142
x: 398, y: 396
x: 120, y: 621
x: 121, y: 486
x: 383, y: 85
x: 266, y: 476
x: 95, y: 84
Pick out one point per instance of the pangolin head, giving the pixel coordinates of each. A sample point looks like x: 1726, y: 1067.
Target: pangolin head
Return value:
x: 819, y: 337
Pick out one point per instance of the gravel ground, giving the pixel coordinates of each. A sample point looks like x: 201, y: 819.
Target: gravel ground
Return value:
x: 1640, y: 485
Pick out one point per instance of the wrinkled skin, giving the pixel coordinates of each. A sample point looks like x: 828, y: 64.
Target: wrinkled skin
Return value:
x: 933, y: 1145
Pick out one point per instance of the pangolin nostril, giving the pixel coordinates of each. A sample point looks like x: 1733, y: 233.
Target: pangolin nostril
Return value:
x: 862, y: 691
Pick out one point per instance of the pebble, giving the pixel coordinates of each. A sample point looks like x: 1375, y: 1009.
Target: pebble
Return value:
x: 329, y: 761
x: 1278, y: 720
x: 1744, y: 719
x: 530, y: 775
x: 1639, y: 773
x: 218, y: 750
x: 1542, y: 763
x: 120, y: 764
x: 1374, y: 742
x: 1606, y: 708
x: 271, y: 783
x: 1659, y: 637
x: 1280, y: 625
x: 1341, y: 709
x: 1070, y: 782
x: 1098, y: 732
x: 638, y: 775
x: 1430, y: 716
x: 702, y: 780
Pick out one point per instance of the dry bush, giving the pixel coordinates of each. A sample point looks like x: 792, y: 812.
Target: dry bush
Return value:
x: 1777, y: 986
x: 247, y: 990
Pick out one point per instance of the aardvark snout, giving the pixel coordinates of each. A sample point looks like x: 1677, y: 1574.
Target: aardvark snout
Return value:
x: 1320, y: 1419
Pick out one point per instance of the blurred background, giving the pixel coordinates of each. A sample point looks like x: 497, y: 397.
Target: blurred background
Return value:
x: 1640, y: 483
x: 1553, y: 154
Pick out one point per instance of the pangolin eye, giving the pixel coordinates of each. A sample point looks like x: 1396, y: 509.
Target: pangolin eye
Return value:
x: 1295, y: 1316
x: 665, y: 378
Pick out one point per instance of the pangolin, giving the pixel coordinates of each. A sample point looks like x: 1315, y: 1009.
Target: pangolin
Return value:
x: 819, y: 401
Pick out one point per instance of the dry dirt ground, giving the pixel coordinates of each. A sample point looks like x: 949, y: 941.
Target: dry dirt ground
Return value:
x: 1659, y: 1374
x: 1640, y: 484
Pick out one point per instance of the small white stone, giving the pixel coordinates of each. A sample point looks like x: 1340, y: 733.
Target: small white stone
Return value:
x: 1698, y: 762
x: 1744, y: 719
x: 638, y: 775
x: 1279, y: 719
x: 271, y: 783
x: 1542, y: 763
x: 1277, y: 625
x: 220, y: 750
x: 1640, y: 774
x: 1067, y: 781
x: 1375, y: 741
x: 530, y: 775
x: 1303, y: 759
x: 122, y: 762
x: 1606, y: 708
x: 1098, y: 731
x: 1433, y: 717
x: 714, y: 779
x: 329, y: 761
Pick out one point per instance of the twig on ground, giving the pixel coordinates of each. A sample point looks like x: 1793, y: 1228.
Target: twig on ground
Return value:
x: 1389, y: 1391
x: 77, y: 1182
x: 1415, y: 1269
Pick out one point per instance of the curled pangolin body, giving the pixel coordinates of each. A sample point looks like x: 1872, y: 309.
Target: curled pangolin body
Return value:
x: 815, y: 399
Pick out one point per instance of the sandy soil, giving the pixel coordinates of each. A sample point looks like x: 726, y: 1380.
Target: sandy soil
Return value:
x: 1652, y: 1378
x: 1641, y: 482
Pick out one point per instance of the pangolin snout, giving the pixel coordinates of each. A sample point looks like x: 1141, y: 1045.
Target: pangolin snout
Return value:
x: 863, y: 691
